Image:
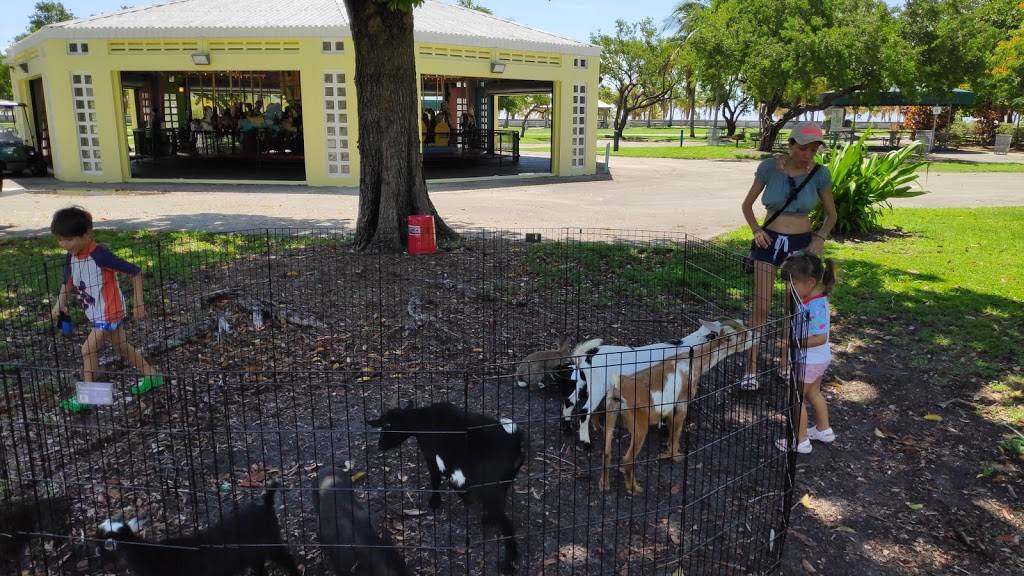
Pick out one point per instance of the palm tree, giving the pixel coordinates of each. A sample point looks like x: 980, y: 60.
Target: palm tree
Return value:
x: 684, y: 18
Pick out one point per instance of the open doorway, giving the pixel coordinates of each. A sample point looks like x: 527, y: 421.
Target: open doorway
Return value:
x: 233, y: 125
x: 462, y: 137
x: 39, y: 126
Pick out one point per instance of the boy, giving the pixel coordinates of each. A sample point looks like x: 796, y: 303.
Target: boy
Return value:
x: 90, y: 274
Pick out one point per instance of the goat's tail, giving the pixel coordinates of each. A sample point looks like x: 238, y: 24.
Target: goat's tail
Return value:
x: 584, y: 349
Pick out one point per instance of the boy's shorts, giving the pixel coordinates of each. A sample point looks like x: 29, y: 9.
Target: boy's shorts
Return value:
x: 107, y: 326
x: 812, y: 371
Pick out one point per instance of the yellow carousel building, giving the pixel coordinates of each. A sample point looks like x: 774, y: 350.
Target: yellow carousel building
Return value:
x: 263, y: 90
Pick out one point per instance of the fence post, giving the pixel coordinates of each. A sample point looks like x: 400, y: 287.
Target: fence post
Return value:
x: 270, y: 299
x: 682, y: 136
x: 53, y: 327
x: 607, y: 154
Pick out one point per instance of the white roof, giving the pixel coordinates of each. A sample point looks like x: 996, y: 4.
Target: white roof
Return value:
x: 435, y: 21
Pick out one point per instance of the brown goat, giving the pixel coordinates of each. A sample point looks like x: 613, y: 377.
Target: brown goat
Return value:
x: 664, y: 391
x: 537, y: 366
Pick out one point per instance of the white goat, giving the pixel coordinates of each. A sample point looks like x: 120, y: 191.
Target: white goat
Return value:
x: 598, y: 368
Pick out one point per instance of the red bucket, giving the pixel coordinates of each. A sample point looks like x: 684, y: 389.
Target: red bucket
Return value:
x: 421, y: 234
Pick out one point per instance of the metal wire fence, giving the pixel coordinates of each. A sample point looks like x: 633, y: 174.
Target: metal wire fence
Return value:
x: 278, y: 347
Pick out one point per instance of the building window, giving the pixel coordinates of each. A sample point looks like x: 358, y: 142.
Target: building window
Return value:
x: 78, y: 48
x: 336, y: 124
x: 329, y: 46
x: 89, y: 154
x: 578, y: 144
x: 579, y: 62
x: 170, y: 111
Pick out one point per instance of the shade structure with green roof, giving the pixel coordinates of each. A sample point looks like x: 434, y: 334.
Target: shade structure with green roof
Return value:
x: 955, y: 97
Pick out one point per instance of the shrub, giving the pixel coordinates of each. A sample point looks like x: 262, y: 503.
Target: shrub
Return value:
x: 863, y: 183
x: 961, y: 127
x: 921, y: 118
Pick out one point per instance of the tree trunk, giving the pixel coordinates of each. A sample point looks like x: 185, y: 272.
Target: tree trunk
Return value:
x: 391, y: 183
x: 770, y: 127
x: 691, y: 99
x: 730, y: 126
x: 621, y: 119
x: 526, y: 118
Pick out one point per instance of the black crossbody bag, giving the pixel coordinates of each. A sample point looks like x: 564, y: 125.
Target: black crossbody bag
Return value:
x: 794, y: 190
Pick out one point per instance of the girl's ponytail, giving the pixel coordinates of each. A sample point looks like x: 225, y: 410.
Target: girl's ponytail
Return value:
x: 828, y: 275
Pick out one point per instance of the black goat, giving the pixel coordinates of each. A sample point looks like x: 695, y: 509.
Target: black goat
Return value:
x: 478, y: 454
x: 18, y: 519
x: 246, y: 539
x: 349, y: 543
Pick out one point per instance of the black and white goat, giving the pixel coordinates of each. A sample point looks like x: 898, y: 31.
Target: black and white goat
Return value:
x: 599, y: 366
x: 247, y: 539
x: 479, y: 455
x: 18, y: 519
x: 349, y: 543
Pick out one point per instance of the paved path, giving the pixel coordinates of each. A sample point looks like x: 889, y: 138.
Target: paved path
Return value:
x: 699, y: 197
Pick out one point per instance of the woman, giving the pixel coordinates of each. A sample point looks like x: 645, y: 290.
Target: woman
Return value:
x: 790, y: 230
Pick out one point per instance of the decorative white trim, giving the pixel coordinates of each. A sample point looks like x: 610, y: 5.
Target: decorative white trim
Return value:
x: 318, y: 32
x: 578, y: 141
x: 335, y: 94
x: 84, y: 109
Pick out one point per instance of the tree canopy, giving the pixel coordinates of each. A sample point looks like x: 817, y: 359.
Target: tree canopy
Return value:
x: 5, y: 79
x: 786, y: 53
x: 46, y: 13
x: 639, y: 65
x: 474, y: 6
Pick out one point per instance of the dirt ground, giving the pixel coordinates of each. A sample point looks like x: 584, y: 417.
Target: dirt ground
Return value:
x: 340, y: 337
x: 899, y: 493
x: 345, y: 335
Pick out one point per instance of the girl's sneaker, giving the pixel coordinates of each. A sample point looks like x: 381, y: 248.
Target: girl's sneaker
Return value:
x: 147, y: 383
x: 801, y: 448
x: 827, y: 435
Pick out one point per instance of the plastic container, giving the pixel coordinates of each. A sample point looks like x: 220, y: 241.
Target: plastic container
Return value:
x: 421, y: 234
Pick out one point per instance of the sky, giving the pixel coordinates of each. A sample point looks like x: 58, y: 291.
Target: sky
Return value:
x: 576, y: 19
x: 573, y: 18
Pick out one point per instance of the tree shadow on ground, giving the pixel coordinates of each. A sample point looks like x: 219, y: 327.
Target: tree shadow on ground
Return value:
x: 206, y: 222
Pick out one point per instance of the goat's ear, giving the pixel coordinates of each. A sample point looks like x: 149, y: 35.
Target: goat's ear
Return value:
x: 714, y: 326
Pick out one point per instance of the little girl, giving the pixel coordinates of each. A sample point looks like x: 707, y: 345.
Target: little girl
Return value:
x: 811, y: 281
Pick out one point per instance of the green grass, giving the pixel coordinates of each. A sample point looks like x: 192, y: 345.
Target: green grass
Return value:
x: 538, y: 135
x: 728, y: 152
x: 31, y: 269
x: 946, y: 289
x: 658, y: 275
x: 973, y: 167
